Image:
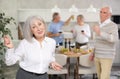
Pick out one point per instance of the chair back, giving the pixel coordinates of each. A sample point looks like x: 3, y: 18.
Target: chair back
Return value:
x: 85, y: 61
x: 61, y: 59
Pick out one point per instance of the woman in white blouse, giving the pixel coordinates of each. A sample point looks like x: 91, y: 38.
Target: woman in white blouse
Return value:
x: 35, y: 52
x: 81, y: 32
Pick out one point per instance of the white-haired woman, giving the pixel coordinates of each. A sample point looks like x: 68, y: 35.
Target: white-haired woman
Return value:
x: 35, y: 52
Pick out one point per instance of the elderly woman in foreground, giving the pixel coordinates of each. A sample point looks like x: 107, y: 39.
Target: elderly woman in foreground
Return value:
x: 35, y: 52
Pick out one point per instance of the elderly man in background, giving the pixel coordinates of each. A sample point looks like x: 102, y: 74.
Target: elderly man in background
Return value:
x: 105, y: 43
x: 55, y: 28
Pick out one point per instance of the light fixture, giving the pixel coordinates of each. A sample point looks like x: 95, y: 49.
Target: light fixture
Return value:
x: 73, y: 9
x: 91, y: 9
x: 55, y: 9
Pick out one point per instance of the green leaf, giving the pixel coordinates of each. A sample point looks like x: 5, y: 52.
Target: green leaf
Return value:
x: 4, y: 21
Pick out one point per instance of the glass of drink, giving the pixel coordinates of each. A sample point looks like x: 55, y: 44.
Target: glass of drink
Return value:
x: 82, y: 31
x: 60, y: 31
x: 72, y: 17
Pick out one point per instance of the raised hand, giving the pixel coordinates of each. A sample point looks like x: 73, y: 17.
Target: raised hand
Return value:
x: 96, y: 29
x: 72, y: 17
x: 7, y: 42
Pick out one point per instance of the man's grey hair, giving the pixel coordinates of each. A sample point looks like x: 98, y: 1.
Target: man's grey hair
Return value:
x: 110, y: 9
x: 27, y: 33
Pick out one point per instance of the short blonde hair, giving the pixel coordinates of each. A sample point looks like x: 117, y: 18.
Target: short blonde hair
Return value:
x: 27, y: 33
x: 109, y: 8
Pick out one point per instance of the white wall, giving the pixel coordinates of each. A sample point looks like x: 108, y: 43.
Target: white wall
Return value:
x: 46, y: 14
x: 66, y: 4
x: 11, y: 7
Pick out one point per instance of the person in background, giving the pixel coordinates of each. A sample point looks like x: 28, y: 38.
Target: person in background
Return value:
x: 81, y: 32
x: 35, y: 53
x: 105, y: 41
x: 55, y: 28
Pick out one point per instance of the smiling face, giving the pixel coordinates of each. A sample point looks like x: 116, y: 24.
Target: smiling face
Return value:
x: 57, y: 18
x: 105, y: 14
x: 38, y: 28
x: 80, y: 19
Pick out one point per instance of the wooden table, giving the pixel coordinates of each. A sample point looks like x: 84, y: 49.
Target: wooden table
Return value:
x: 74, y: 55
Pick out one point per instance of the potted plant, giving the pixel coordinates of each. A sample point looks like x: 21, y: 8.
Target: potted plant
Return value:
x: 4, y: 21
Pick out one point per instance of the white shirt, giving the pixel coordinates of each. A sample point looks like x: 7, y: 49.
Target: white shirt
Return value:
x: 32, y: 57
x: 105, y: 22
x: 79, y: 37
